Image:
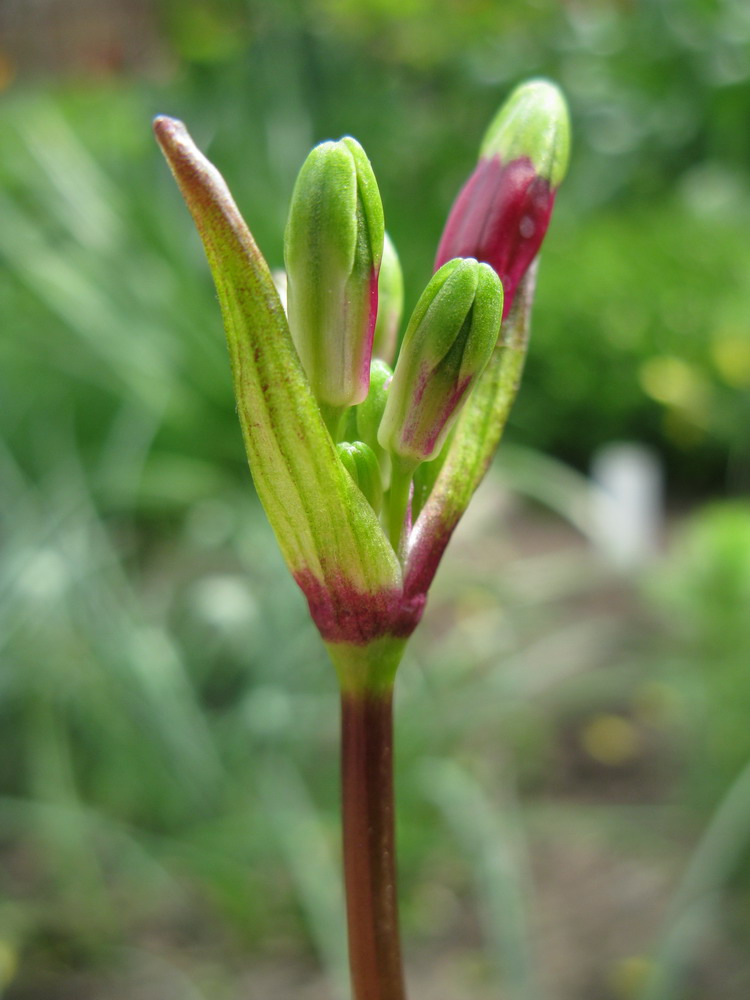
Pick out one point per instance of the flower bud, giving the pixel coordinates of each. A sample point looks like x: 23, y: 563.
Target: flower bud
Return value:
x: 449, y: 340
x: 332, y: 249
x: 502, y: 213
x: 390, y: 303
x: 362, y: 465
x: 370, y: 412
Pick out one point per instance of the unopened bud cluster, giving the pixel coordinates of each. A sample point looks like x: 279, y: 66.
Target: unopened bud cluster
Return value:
x: 345, y: 292
x: 365, y: 455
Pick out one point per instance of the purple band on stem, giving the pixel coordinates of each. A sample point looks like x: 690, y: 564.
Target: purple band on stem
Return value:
x: 343, y: 613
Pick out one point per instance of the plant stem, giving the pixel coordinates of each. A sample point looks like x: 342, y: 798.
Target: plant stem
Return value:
x: 399, y: 495
x: 333, y: 419
x: 369, y: 845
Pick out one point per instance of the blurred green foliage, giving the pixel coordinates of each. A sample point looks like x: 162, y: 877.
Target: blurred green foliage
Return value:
x: 704, y: 592
x: 641, y: 319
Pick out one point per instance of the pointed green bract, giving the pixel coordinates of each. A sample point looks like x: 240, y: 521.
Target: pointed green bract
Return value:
x: 449, y: 340
x: 332, y: 249
x: 327, y: 530
x: 472, y: 446
x: 532, y: 124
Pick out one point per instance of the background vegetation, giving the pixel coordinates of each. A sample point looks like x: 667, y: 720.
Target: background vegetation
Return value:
x: 168, y: 801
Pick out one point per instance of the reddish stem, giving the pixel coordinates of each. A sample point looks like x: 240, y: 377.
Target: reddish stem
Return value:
x: 369, y: 846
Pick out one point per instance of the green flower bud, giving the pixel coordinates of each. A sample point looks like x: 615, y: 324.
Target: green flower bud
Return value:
x: 332, y: 249
x: 362, y: 465
x: 449, y: 340
x: 533, y: 124
x: 390, y: 303
x: 370, y: 412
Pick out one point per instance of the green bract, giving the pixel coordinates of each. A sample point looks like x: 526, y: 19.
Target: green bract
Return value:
x: 332, y: 249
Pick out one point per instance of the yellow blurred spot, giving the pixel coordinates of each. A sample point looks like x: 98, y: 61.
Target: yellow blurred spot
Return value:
x: 610, y: 740
x: 674, y: 382
x: 686, y: 393
x: 630, y: 975
x: 730, y: 353
x: 8, y: 963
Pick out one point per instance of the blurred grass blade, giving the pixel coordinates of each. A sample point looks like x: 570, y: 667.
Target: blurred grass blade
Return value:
x: 695, y: 901
x: 131, y: 357
x: 305, y: 846
x: 79, y: 193
x: 494, y: 844
x: 61, y: 579
x: 551, y: 482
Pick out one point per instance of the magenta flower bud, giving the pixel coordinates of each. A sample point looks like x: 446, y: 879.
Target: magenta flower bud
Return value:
x: 502, y: 213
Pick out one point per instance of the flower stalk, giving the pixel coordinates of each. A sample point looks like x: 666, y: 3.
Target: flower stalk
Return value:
x: 369, y: 845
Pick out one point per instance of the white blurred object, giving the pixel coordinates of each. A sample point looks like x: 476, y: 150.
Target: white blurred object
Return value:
x: 279, y: 279
x: 224, y: 601
x: 627, y: 505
